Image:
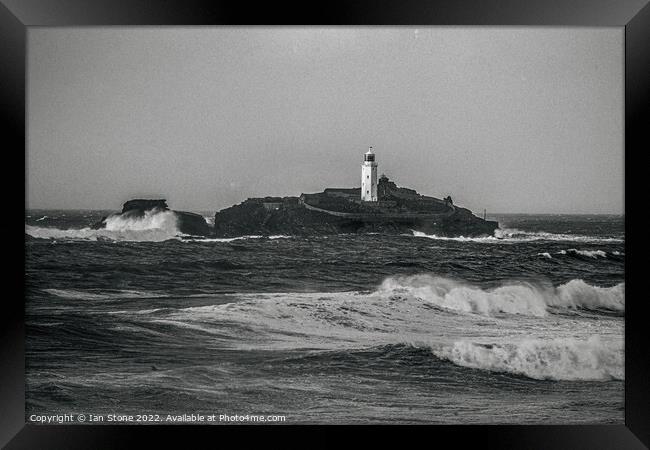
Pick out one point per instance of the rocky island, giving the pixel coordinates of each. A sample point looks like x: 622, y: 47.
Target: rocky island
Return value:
x: 378, y: 206
x: 396, y: 210
x: 186, y: 222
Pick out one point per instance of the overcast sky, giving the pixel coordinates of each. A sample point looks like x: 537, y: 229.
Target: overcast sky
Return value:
x: 508, y: 119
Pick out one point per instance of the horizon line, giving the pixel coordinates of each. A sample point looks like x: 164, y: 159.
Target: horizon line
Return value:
x: 488, y: 214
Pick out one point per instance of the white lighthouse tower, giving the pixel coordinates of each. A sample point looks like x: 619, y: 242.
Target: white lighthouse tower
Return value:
x: 369, y: 177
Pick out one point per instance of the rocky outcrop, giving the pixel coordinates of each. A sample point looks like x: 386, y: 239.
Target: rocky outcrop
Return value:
x: 272, y: 216
x: 187, y: 222
x: 191, y: 223
x: 142, y: 205
x: 334, y: 211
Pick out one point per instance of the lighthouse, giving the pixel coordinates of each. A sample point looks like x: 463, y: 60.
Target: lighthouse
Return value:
x: 369, y: 177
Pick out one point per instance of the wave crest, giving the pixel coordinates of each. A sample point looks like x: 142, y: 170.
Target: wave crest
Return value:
x: 578, y: 294
x: 558, y: 359
x: 154, y: 226
x: 510, y: 298
x: 153, y: 219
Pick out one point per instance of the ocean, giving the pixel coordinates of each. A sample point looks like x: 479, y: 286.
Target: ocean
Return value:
x: 523, y: 327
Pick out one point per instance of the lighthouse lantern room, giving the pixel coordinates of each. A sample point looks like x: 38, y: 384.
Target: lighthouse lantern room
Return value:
x: 369, y: 177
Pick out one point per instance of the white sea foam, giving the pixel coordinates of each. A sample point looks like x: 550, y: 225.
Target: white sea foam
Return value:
x: 206, y: 240
x: 154, y: 226
x: 513, y: 235
x: 558, y: 359
x: 153, y: 219
x: 508, y: 328
x: 102, y: 295
x: 520, y: 298
x: 237, y: 238
x: 588, y: 253
x: 564, y: 347
x: 457, y: 238
x: 578, y: 294
x: 76, y: 295
x: 510, y: 298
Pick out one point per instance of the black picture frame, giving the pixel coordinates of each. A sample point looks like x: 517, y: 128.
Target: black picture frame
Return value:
x: 17, y: 15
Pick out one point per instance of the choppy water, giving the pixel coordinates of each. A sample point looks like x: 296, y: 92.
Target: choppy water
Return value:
x: 525, y: 327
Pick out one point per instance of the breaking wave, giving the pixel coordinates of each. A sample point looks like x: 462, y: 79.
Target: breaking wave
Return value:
x: 588, y: 253
x: 152, y: 220
x: 154, y: 226
x: 349, y: 321
x: 421, y: 311
x: 578, y: 294
x: 558, y: 359
x: 511, y: 298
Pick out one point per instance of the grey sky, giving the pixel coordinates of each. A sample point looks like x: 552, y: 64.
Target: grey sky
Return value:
x: 508, y: 119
